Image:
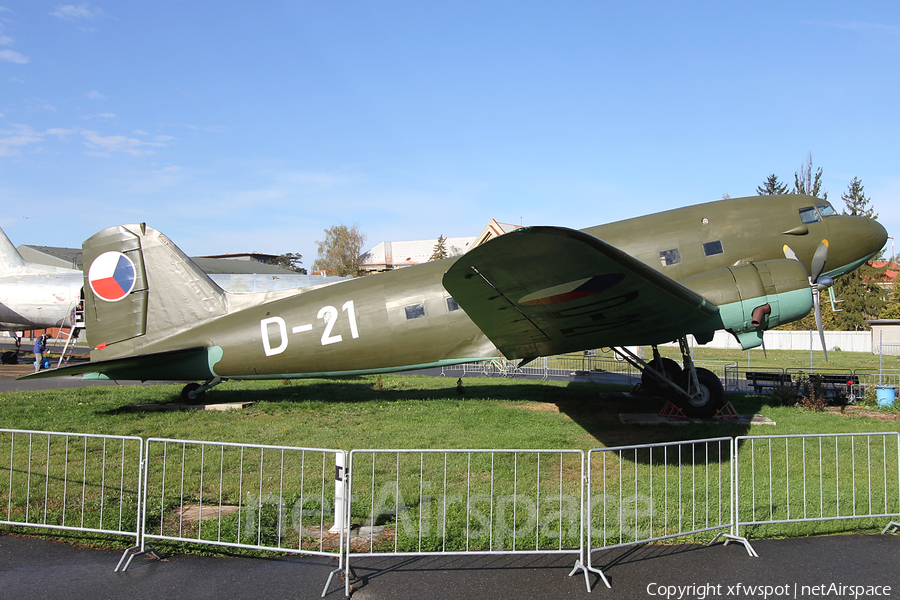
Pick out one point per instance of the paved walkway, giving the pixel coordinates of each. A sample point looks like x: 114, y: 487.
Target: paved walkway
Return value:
x: 32, y: 568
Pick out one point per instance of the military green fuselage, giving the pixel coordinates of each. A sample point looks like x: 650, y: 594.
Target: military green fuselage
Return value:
x: 730, y: 252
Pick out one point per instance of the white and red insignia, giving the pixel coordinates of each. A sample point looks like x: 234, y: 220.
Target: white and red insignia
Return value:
x: 112, y: 276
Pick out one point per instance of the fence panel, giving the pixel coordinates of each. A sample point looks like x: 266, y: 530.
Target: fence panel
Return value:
x: 796, y: 478
x: 426, y: 502
x: 74, y: 481
x: 756, y: 381
x: 277, y: 498
x: 651, y: 492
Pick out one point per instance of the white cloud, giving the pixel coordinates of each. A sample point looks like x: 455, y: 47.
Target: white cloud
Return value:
x: 11, y: 140
x: 95, y: 95
x: 117, y: 143
x: 108, y: 115
x: 13, y: 57
x: 14, y: 139
x: 167, y: 170
x: 5, y: 40
x: 70, y: 12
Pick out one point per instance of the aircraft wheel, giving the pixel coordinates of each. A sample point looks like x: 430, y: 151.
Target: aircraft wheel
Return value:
x: 654, y: 387
x: 186, y: 394
x: 9, y: 357
x: 711, y: 398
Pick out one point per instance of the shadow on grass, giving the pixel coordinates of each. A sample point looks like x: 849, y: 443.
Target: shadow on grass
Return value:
x: 594, y: 407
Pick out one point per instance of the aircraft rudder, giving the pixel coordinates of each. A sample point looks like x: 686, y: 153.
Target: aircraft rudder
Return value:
x: 139, y: 286
x: 10, y: 259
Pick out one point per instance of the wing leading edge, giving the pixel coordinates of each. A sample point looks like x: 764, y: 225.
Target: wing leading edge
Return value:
x: 547, y: 290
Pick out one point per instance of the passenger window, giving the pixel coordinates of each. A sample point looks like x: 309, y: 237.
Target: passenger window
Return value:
x: 809, y: 215
x: 712, y: 248
x: 826, y: 210
x: 670, y: 257
x: 416, y: 311
x: 452, y: 304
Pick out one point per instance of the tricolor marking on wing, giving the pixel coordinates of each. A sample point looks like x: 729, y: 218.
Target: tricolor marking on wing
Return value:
x: 572, y: 290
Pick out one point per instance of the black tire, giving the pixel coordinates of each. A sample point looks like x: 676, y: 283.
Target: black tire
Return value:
x: 198, y: 396
x: 654, y: 387
x: 711, y: 399
x: 10, y: 357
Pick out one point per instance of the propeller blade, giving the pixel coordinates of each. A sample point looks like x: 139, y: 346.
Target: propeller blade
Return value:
x: 789, y: 253
x: 817, y: 306
x: 818, y: 261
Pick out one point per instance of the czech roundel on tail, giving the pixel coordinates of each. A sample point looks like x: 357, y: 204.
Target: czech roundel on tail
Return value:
x: 744, y: 265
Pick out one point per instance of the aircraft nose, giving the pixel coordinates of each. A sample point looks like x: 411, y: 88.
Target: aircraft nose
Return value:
x: 879, y: 235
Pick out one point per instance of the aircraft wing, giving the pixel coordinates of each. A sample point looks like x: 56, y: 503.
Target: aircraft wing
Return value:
x: 548, y: 290
x: 182, y: 364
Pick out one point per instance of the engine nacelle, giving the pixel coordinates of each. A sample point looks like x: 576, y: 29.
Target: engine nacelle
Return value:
x: 755, y: 297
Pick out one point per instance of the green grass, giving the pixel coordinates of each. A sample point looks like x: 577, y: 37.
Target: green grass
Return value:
x: 410, y: 412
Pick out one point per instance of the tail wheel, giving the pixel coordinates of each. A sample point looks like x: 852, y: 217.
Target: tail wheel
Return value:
x: 190, y: 395
x: 653, y: 386
x: 710, y: 399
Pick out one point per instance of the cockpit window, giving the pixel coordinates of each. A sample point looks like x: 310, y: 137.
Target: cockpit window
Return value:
x: 670, y: 257
x: 826, y: 210
x: 810, y: 215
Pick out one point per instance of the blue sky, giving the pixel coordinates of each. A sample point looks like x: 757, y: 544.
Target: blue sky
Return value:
x: 237, y: 126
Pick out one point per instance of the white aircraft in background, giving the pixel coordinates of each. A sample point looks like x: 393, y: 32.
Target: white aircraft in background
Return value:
x: 36, y: 296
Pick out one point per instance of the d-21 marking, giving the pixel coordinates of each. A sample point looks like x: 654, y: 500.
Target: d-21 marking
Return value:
x: 328, y: 314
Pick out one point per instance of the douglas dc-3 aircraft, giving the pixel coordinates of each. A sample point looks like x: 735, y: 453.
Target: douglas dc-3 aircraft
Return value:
x: 744, y: 265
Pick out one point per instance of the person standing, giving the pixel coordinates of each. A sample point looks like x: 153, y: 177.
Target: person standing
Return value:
x: 40, y: 346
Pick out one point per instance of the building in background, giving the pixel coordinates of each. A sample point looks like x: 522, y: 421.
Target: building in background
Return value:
x: 388, y: 256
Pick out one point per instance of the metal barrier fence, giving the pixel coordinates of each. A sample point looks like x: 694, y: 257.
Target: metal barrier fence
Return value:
x: 852, y: 382
x: 566, y: 365
x: 74, y: 481
x: 450, y: 502
x: 650, y: 492
x: 278, y: 498
x: 441, y: 502
x: 796, y: 478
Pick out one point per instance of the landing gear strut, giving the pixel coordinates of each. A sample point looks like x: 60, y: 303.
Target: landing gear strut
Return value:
x: 696, y: 391
x: 194, y: 393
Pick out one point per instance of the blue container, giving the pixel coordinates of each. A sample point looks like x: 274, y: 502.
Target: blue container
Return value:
x: 885, y: 395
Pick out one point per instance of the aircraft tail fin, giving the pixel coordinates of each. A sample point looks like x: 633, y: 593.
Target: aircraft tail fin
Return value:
x: 141, y: 290
x: 10, y: 259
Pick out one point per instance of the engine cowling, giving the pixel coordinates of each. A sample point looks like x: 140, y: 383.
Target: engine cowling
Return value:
x: 755, y: 297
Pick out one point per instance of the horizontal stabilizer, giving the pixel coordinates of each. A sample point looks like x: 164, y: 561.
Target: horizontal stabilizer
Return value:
x: 547, y: 290
x: 186, y: 364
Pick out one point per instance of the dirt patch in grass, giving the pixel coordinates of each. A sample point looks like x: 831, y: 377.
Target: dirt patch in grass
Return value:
x: 859, y: 411
x: 536, y: 406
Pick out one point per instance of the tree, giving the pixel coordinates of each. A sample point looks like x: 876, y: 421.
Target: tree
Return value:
x: 807, y: 183
x: 856, y: 201
x: 891, y: 308
x: 772, y: 187
x: 863, y: 298
x: 290, y: 261
x: 340, y: 251
x: 440, y: 249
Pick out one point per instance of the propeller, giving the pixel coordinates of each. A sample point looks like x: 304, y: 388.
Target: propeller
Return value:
x: 817, y: 282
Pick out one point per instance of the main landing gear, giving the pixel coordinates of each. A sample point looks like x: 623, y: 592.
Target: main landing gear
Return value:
x: 696, y: 391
